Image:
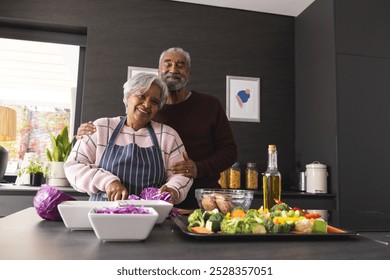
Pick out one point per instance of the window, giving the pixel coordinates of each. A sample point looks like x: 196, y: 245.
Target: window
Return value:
x: 41, y: 78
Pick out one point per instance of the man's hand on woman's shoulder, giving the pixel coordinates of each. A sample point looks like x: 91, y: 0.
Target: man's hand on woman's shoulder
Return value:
x: 85, y: 129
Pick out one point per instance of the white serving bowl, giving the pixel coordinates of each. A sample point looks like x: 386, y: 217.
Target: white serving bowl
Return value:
x: 75, y: 213
x: 162, y: 207
x: 122, y: 227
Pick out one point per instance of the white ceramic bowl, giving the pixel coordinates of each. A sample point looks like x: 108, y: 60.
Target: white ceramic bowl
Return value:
x: 162, y: 207
x: 75, y: 213
x: 122, y: 227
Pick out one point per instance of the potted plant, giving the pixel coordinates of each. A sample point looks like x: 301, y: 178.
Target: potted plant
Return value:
x: 37, y: 171
x: 61, y: 147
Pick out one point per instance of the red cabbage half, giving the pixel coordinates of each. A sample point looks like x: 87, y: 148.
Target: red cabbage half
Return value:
x: 46, y: 200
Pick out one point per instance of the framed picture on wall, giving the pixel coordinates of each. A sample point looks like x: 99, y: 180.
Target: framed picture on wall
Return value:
x: 132, y: 70
x: 243, y: 99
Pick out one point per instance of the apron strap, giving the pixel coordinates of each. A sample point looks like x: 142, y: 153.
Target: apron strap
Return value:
x: 116, y: 132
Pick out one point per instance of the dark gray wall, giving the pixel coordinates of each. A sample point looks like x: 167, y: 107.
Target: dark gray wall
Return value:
x: 221, y: 42
x: 349, y: 51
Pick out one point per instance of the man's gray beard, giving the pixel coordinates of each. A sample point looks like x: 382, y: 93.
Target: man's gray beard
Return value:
x: 173, y: 86
x: 176, y: 86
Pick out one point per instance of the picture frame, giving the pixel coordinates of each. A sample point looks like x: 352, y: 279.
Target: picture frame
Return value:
x: 243, y: 99
x: 132, y: 70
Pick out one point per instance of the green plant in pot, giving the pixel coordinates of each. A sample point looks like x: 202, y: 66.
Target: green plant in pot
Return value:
x: 37, y: 170
x: 61, y: 147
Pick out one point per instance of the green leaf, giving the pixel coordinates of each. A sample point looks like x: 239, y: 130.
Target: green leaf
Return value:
x: 61, y: 146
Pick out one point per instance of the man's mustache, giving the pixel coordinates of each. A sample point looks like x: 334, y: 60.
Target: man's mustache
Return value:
x: 173, y: 75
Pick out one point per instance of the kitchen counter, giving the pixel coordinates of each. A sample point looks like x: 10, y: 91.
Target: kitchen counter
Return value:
x: 24, y: 235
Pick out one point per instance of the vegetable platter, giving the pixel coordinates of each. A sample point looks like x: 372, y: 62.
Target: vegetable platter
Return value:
x: 279, y: 222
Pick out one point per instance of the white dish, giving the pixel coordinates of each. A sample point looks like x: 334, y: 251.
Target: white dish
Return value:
x: 122, y: 227
x: 75, y: 213
x: 162, y: 207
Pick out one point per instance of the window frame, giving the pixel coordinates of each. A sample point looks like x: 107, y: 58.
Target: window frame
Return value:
x: 52, y: 33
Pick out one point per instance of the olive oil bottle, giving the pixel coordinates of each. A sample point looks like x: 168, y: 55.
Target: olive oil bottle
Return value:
x: 272, y: 180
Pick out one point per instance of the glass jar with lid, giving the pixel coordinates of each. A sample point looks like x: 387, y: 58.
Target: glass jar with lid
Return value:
x: 235, y: 176
x: 252, y: 176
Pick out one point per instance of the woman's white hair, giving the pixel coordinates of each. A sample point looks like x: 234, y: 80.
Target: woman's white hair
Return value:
x: 142, y: 82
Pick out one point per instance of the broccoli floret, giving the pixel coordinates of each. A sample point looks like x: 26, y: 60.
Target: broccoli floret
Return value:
x: 253, y: 228
x: 290, y: 226
x: 268, y: 225
x: 252, y: 213
x: 195, y: 219
x: 208, y: 214
x: 232, y: 226
x: 218, y: 216
x: 278, y: 228
x: 281, y: 206
x: 276, y: 213
x: 254, y: 216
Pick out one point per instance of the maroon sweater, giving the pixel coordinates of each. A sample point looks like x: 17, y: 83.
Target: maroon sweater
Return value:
x: 205, y: 130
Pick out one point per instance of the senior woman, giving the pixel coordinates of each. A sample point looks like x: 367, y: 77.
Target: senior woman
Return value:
x: 127, y: 154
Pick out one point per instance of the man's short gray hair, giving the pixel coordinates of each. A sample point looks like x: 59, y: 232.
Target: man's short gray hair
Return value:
x: 179, y: 50
x: 143, y: 81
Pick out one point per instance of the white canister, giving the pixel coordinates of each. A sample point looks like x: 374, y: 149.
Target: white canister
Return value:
x: 316, y: 178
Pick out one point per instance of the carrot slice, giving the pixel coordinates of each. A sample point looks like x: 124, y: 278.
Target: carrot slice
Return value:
x: 238, y: 213
x: 201, y: 230
x: 335, y: 230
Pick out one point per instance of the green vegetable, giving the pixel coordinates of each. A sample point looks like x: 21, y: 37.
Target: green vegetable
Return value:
x: 256, y: 228
x: 281, y: 206
x: 278, y: 228
x: 195, y: 219
x: 232, y: 226
x: 320, y: 226
x: 214, y: 222
x: 208, y: 214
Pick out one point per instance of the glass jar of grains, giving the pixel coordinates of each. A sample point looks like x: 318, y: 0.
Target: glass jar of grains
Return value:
x: 235, y: 176
x: 252, y: 176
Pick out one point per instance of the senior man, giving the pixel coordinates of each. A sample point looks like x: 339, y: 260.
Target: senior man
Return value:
x: 200, y: 121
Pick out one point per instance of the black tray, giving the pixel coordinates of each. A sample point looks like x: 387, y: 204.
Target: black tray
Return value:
x: 182, y: 223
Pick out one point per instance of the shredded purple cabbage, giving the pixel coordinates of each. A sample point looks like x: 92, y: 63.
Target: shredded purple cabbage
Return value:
x: 133, y: 197
x: 174, y: 213
x: 151, y: 194
x: 154, y: 194
x: 128, y: 209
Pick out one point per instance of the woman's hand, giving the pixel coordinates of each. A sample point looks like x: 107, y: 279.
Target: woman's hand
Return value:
x: 116, y: 191
x: 85, y: 129
x: 171, y: 191
x: 187, y: 167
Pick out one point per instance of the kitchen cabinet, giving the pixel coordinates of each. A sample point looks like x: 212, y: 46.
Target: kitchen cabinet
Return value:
x: 15, y: 198
x: 341, y: 67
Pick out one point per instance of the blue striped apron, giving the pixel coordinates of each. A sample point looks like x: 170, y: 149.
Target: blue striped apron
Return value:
x: 136, y: 167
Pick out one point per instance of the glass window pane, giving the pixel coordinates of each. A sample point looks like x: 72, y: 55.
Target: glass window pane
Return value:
x: 39, y: 81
